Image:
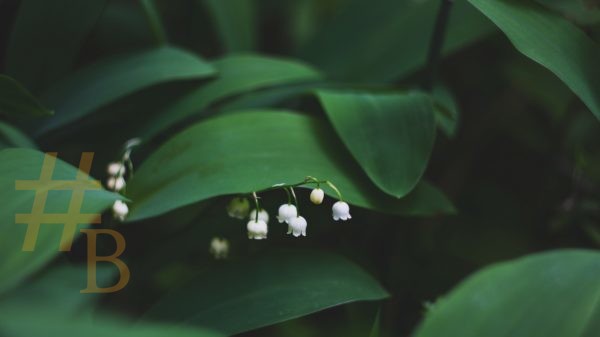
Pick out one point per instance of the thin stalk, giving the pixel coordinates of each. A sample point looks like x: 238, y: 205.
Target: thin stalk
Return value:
x: 436, y: 44
x: 153, y: 17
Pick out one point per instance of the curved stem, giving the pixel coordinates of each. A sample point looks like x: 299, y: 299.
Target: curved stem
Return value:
x: 257, y: 205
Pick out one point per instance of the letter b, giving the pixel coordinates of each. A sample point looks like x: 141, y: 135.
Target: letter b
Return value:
x: 93, y: 259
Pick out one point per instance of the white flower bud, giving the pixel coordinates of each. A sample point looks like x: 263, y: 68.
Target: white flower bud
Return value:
x: 238, y: 208
x: 287, y: 212
x: 115, y: 183
x: 257, y: 230
x: 219, y: 248
x: 116, y: 169
x: 262, y: 215
x: 120, y: 210
x: 316, y: 196
x: 341, y: 210
x: 297, y: 226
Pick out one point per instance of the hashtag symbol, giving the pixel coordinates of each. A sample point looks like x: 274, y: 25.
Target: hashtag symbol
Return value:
x: 73, y: 217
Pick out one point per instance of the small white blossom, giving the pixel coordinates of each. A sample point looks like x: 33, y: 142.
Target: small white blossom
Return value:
x: 341, y: 210
x: 297, y: 226
x: 116, y: 169
x: 120, y: 210
x: 219, y: 248
x: 257, y: 230
x: 238, y: 208
x: 316, y: 196
x: 262, y: 215
x: 287, y: 212
x: 116, y: 183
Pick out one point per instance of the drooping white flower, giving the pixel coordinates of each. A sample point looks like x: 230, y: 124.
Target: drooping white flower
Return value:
x: 287, y: 212
x: 257, y: 230
x: 115, y: 169
x: 262, y: 215
x: 219, y: 248
x: 116, y: 183
x: 120, y: 210
x: 341, y: 210
x: 316, y: 196
x: 297, y: 226
x: 238, y: 208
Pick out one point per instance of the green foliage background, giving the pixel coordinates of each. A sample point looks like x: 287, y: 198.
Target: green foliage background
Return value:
x: 475, y: 205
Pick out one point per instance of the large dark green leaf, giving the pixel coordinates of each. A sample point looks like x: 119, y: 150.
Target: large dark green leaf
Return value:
x: 43, y: 321
x: 17, y: 102
x: 391, y: 135
x: 551, y: 41
x: 111, y: 79
x: 391, y: 40
x: 555, y: 294
x: 26, y: 164
x: 235, y: 21
x: 251, y: 151
x: 237, y: 74
x: 47, y: 37
x: 248, y: 294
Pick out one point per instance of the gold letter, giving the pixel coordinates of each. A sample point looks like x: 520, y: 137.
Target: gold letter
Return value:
x: 92, y: 259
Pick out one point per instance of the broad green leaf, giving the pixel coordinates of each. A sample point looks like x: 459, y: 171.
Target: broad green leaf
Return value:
x: 551, y: 41
x: 116, y: 77
x: 391, y: 135
x: 304, y: 282
x: 553, y: 294
x: 13, y: 137
x: 44, y: 321
x: 582, y: 11
x: 237, y: 74
x: 26, y: 164
x: 16, y: 101
x: 47, y: 37
x: 236, y: 23
x: 392, y: 39
x: 252, y: 151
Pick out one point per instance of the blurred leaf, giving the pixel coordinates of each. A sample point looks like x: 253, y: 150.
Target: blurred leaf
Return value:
x: 47, y: 37
x: 252, y: 151
x: 391, y: 135
x: 60, y: 283
x: 392, y: 39
x: 235, y: 21
x: 26, y: 164
x: 551, y: 41
x: 16, y: 101
x: 116, y: 77
x: 237, y: 74
x: 446, y: 110
x: 13, y: 137
x: 274, y: 288
x: 553, y: 294
x: 582, y: 11
x: 376, y: 330
x: 43, y: 321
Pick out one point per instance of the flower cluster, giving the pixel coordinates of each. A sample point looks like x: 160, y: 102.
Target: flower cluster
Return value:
x: 116, y: 178
x: 288, y: 213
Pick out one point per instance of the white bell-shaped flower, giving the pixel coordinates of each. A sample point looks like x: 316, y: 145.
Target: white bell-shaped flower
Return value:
x: 219, y: 248
x: 316, y: 196
x: 287, y: 212
x: 115, y: 169
x: 257, y: 230
x: 120, y: 210
x: 341, y: 210
x: 297, y: 226
x: 116, y: 183
x: 238, y: 208
x: 262, y: 215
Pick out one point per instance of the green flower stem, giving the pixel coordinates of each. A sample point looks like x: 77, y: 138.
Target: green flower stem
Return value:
x: 255, y: 197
